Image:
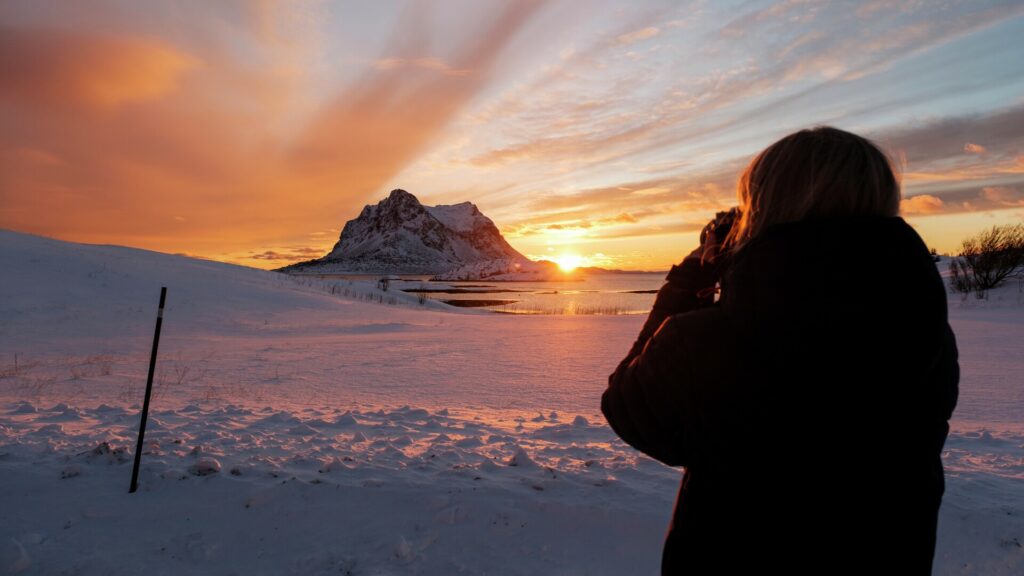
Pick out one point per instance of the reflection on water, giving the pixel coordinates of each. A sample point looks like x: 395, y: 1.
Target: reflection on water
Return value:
x: 609, y: 293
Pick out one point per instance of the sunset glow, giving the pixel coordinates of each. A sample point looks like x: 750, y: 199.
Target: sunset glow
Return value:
x: 251, y: 132
x: 569, y: 262
x: 418, y: 286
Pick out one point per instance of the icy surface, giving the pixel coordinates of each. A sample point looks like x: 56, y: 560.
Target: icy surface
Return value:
x: 299, y: 431
x: 506, y: 270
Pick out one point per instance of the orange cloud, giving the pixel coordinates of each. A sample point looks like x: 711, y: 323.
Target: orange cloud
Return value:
x: 124, y: 138
x: 965, y: 172
x: 637, y: 209
x: 921, y: 204
x: 243, y: 129
x: 62, y: 68
x: 294, y: 254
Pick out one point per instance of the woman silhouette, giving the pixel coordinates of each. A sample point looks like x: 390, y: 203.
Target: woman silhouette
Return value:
x: 809, y: 403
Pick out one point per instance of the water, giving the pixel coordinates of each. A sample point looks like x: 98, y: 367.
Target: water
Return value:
x: 608, y: 293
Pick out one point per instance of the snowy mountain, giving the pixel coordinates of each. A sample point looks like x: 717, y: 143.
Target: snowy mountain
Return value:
x: 401, y: 235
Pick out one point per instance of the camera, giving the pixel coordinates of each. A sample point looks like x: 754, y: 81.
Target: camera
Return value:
x: 721, y: 225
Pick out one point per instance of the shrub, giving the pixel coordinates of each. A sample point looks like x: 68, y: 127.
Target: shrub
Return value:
x: 989, y: 258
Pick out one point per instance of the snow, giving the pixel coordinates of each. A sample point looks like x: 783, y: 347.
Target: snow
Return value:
x: 298, y: 431
x: 461, y: 217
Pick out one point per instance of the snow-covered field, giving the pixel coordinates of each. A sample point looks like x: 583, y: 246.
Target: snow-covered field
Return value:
x: 299, y: 431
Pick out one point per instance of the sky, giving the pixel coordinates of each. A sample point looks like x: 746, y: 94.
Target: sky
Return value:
x: 250, y: 132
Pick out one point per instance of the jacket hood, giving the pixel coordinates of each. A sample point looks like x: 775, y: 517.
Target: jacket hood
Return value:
x: 825, y: 283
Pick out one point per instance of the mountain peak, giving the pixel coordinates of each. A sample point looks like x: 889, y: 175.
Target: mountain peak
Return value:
x: 399, y: 194
x: 400, y: 235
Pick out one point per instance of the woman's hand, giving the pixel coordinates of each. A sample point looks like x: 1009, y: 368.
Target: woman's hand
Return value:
x: 707, y: 252
x: 689, y: 285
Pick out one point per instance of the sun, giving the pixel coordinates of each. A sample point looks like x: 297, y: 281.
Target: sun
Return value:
x: 568, y: 262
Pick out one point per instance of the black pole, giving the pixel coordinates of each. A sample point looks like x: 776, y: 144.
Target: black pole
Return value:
x: 149, y: 390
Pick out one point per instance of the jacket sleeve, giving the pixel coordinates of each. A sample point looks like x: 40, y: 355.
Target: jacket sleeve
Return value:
x: 664, y: 400
x: 686, y: 288
x: 947, y: 374
x: 950, y: 374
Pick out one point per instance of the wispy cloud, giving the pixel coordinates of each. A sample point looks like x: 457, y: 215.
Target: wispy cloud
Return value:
x: 944, y: 138
x: 637, y: 35
x: 644, y: 108
x: 435, y: 64
x: 248, y: 125
x: 136, y: 138
x: 294, y: 254
x: 1008, y: 196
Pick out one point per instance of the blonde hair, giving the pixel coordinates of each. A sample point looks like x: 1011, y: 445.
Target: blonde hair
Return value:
x: 814, y: 173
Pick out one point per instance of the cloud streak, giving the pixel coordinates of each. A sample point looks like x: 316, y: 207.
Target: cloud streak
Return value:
x: 141, y: 140
x: 63, y: 71
x: 239, y: 131
x: 637, y: 36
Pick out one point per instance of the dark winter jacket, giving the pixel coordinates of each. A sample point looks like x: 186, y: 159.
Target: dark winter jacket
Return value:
x: 809, y: 404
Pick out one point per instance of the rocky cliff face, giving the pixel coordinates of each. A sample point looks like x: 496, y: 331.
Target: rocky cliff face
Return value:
x: 399, y: 235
